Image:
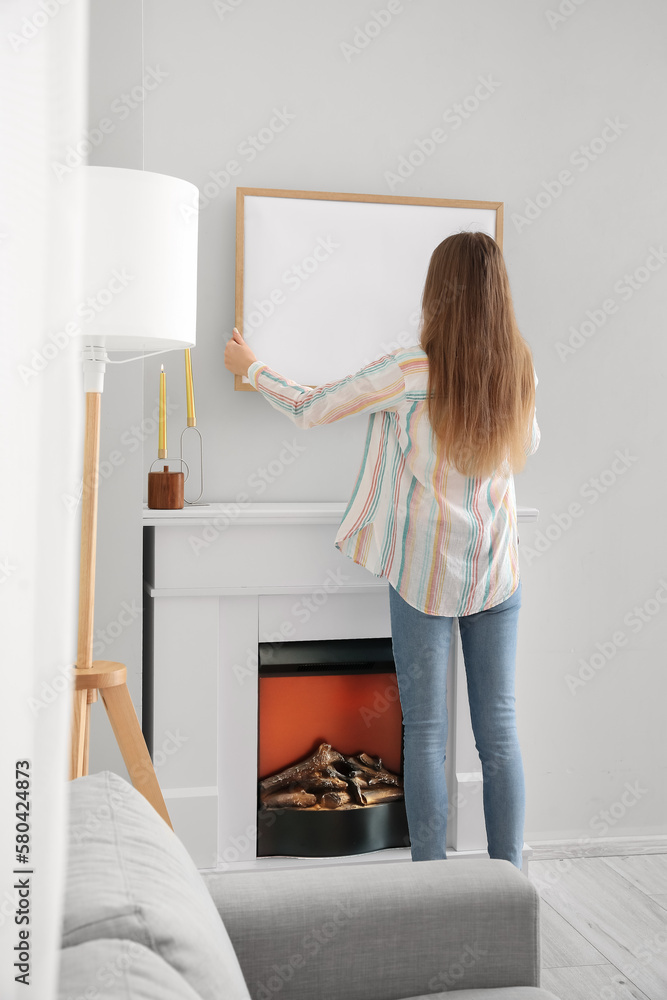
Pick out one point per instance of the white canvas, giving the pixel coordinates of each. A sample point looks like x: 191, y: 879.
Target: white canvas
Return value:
x: 329, y: 285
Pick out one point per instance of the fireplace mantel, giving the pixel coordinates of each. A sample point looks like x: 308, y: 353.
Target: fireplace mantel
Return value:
x: 218, y: 579
x: 314, y: 512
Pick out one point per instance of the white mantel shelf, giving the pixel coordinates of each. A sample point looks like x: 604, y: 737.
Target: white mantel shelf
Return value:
x: 293, y: 512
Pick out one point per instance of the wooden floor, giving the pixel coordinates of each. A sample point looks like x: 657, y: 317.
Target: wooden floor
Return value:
x: 604, y: 926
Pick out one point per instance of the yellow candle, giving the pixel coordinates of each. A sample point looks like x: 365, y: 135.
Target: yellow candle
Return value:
x: 189, y: 390
x: 162, y: 434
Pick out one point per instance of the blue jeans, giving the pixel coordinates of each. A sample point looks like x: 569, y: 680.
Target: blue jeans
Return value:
x: 421, y: 652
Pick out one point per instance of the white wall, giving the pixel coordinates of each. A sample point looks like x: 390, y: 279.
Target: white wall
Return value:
x: 552, y: 85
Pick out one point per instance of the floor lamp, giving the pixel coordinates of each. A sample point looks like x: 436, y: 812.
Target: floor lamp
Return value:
x: 140, y: 279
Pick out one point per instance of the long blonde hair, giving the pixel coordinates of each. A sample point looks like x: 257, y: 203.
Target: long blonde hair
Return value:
x: 481, y: 384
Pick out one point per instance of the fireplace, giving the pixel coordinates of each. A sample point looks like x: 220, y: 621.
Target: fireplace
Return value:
x: 330, y: 741
x: 221, y: 580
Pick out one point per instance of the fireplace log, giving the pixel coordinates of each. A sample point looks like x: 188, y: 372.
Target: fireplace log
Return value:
x: 298, y: 798
x: 333, y: 800
x: 332, y: 772
x: 318, y: 783
x: 359, y: 777
x: 330, y: 780
x: 386, y: 794
x: 355, y: 790
x: 375, y: 775
x: 322, y: 758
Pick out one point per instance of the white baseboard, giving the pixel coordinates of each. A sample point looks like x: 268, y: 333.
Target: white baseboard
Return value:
x: 597, y: 847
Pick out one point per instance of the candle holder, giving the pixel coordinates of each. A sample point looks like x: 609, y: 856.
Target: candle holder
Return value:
x: 193, y: 427
x: 165, y: 489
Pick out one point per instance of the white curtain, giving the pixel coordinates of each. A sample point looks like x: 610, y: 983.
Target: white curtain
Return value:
x: 43, y: 83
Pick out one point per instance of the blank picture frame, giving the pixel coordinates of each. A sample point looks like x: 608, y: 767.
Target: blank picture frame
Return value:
x: 327, y: 281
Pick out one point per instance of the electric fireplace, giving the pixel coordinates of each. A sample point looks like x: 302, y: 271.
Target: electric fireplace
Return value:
x: 330, y: 740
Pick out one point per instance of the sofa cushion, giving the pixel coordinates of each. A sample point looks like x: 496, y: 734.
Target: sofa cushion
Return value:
x: 112, y: 969
x: 130, y: 877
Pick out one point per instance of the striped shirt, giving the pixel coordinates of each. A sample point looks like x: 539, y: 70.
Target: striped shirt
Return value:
x: 446, y: 542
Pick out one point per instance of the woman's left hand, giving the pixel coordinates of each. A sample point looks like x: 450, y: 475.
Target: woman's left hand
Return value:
x: 238, y: 356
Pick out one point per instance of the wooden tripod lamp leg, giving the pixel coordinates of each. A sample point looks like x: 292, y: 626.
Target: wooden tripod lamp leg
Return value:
x: 107, y: 676
x: 110, y: 678
x: 78, y: 749
x: 86, y: 738
x: 84, y: 653
x: 130, y: 739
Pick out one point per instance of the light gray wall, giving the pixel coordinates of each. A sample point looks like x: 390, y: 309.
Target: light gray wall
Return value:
x: 552, y: 87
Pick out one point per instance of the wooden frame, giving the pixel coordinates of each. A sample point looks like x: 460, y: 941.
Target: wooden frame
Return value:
x: 242, y: 193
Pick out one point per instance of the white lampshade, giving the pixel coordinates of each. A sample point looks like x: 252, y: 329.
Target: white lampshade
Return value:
x: 140, y: 260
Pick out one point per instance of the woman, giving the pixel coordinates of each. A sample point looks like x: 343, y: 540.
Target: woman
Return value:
x: 434, y: 511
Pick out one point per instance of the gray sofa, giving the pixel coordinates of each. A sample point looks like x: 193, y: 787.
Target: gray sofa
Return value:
x: 141, y: 922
